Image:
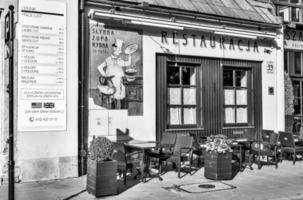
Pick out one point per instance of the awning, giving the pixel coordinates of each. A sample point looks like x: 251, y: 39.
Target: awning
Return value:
x: 233, y: 9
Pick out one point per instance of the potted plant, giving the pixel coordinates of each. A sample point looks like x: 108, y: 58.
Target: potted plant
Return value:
x: 218, y: 158
x: 289, y: 102
x: 101, y: 169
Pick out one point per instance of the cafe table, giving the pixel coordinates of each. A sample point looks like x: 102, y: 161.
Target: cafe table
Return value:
x: 144, y: 147
x: 244, y: 146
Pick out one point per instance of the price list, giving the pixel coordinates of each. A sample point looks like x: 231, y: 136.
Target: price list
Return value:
x: 42, y: 55
x: 42, y: 66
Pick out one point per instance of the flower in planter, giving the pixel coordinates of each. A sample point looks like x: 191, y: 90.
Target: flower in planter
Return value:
x: 218, y: 143
x: 101, y: 149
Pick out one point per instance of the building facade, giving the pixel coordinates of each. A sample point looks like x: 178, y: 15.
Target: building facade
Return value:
x: 139, y: 69
x: 291, y: 13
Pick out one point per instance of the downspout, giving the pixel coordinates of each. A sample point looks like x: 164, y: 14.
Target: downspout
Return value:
x: 81, y: 101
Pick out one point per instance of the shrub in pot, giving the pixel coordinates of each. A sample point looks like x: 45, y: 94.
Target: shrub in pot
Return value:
x: 101, y: 169
x: 218, y: 158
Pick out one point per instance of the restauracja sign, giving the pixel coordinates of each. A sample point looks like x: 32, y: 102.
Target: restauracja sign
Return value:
x: 208, y: 41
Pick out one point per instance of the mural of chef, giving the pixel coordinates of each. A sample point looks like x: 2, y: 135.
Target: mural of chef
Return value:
x: 112, y: 72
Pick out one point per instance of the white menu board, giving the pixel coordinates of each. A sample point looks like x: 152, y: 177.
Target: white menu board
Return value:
x: 42, y: 66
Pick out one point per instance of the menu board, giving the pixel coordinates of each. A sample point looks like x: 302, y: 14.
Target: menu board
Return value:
x: 42, y: 66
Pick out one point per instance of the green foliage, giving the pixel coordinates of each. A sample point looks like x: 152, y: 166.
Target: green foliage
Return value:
x: 100, y: 149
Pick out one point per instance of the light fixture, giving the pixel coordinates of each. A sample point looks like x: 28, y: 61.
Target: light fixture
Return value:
x: 236, y: 35
x: 160, y: 22
x: 155, y: 25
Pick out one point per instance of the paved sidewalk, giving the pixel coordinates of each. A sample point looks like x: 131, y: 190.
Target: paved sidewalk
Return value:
x: 284, y: 183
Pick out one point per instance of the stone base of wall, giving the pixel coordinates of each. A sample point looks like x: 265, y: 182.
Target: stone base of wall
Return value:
x: 49, y: 168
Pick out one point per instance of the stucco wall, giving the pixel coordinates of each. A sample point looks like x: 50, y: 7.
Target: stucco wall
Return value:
x: 52, y: 155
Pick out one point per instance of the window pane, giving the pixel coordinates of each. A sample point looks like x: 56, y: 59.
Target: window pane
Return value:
x: 295, y: 14
x: 189, y: 96
x: 296, y: 85
x: 188, y: 76
x: 241, y: 96
x: 297, y: 106
x: 228, y: 77
x: 241, y: 115
x: 229, y: 115
x: 297, y: 63
x: 174, y: 96
x: 175, y: 116
x: 241, y: 79
x: 229, y: 97
x: 295, y: 1
x: 173, y: 75
x: 189, y: 115
x: 286, y: 61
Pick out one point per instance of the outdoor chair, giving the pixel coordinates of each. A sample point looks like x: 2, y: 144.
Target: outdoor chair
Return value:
x: 182, y: 151
x: 164, y: 149
x: 125, y: 161
x: 288, y: 145
x: 242, y: 150
x: 266, y: 146
x: 197, y: 147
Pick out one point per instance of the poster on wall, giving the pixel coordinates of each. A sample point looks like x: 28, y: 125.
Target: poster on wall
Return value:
x: 116, y: 72
x: 42, y: 66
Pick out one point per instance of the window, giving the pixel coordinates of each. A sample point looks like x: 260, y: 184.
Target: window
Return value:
x: 236, y: 96
x: 181, y: 95
x: 293, y: 59
x: 290, y: 10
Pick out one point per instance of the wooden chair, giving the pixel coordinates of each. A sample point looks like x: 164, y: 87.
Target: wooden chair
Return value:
x: 288, y: 145
x: 126, y: 161
x: 182, y: 150
x: 266, y: 146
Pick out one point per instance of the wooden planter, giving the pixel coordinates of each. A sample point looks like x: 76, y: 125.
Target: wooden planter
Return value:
x: 218, y: 166
x: 101, y: 177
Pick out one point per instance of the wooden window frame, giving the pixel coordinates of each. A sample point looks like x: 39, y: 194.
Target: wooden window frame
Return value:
x: 249, y: 96
x: 181, y: 86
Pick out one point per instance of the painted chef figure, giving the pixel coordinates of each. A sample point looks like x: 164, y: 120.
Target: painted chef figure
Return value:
x: 112, y: 70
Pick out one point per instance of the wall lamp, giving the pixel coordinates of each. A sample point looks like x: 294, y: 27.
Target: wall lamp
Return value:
x: 236, y: 35
x: 157, y: 22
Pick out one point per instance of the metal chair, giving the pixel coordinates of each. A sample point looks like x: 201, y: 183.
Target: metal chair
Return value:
x: 266, y: 146
x: 182, y: 150
x: 126, y: 161
x: 288, y: 145
x: 164, y: 149
x: 197, y: 147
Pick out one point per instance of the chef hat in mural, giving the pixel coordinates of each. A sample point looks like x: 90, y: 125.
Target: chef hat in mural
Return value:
x: 118, y: 43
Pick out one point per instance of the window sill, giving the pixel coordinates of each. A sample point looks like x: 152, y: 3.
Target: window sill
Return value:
x: 237, y: 127
x: 184, y: 129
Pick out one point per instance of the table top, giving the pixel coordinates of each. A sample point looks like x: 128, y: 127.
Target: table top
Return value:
x: 141, y: 144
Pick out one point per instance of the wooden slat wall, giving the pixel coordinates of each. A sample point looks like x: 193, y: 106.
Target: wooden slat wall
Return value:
x: 211, y: 82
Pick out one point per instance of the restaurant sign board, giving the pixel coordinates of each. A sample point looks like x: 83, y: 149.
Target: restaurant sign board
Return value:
x: 293, y: 39
x: 42, y: 66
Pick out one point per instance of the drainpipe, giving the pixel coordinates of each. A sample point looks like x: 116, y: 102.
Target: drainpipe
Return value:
x: 81, y: 100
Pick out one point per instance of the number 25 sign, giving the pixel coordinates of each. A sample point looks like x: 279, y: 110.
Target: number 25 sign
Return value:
x: 270, y: 67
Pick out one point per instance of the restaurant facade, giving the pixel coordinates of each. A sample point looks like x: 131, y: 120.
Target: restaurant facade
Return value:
x: 138, y: 69
x: 291, y: 14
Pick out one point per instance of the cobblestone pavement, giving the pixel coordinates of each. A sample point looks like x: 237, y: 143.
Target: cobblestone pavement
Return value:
x: 284, y: 183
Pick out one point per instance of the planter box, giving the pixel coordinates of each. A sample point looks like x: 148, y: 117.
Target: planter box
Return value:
x: 101, y: 177
x: 218, y: 166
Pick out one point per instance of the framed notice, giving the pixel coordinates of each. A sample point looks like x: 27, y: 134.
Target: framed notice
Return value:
x: 42, y: 66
